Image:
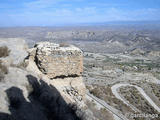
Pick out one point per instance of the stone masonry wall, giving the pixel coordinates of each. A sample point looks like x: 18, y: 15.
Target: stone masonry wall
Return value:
x: 57, y: 61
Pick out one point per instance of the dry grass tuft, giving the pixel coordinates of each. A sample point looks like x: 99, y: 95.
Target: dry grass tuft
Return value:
x: 105, y: 93
x: 4, y: 51
x: 3, y: 70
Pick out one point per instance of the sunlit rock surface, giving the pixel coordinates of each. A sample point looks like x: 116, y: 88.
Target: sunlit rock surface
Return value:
x: 57, y: 60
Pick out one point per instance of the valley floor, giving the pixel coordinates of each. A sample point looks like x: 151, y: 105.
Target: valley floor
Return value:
x: 123, y: 84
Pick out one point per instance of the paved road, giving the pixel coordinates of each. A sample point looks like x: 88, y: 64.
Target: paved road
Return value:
x: 115, y: 92
x: 108, y: 107
x: 114, y: 89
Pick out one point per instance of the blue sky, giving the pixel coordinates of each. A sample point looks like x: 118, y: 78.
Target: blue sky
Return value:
x: 63, y: 12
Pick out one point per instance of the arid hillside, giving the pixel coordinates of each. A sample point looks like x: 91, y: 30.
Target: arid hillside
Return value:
x: 92, y: 39
x: 90, y: 73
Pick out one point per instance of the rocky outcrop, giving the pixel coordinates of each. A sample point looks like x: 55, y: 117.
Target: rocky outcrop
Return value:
x: 61, y: 66
x: 51, y: 80
x: 15, y: 53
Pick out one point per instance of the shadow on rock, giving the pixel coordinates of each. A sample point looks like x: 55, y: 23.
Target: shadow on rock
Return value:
x: 46, y: 103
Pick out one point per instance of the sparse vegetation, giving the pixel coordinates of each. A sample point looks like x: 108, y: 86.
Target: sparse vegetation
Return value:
x: 105, y: 93
x: 1, y: 76
x: 4, y: 51
x: 3, y: 68
x: 140, y: 66
x: 155, y: 89
x: 136, y: 99
x: 101, y: 114
x: 113, y: 60
x: 156, y: 74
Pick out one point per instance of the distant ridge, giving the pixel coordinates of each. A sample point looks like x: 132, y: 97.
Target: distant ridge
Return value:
x: 107, y: 23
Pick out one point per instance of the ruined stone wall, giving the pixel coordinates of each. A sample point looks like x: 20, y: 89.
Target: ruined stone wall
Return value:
x: 62, y: 66
x: 58, y: 61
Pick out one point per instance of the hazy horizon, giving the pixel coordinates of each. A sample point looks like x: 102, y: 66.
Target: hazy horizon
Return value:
x: 97, y: 24
x: 75, y: 12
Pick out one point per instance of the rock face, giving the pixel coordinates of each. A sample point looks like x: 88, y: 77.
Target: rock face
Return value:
x: 56, y: 60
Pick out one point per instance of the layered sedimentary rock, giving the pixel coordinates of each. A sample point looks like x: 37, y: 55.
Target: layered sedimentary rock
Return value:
x: 56, y: 60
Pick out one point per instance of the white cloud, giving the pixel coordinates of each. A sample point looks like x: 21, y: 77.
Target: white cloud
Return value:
x: 40, y: 4
x: 59, y: 9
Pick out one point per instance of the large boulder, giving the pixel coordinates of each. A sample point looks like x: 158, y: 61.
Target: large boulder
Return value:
x: 57, y: 60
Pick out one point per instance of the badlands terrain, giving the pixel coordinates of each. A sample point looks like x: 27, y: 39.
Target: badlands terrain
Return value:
x: 120, y: 77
